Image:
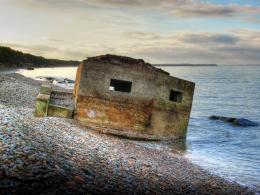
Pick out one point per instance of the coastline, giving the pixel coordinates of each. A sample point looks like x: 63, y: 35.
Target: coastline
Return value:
x: 58, y: 155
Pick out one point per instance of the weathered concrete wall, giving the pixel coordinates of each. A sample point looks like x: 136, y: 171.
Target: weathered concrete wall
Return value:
x: 113, y: 114
x: 146, y: 109
x: 95, y: 81
x: 41, y: 105
x: 59, y: 111
x: 54, y: 103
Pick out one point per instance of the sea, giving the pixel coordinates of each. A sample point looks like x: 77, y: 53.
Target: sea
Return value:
x: 225, y: 150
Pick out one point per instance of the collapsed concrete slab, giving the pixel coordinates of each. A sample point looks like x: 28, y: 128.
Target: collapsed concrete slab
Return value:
x: 52, y: 102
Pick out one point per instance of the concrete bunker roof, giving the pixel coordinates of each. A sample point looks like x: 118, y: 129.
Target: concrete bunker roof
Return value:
x: 126, y: 61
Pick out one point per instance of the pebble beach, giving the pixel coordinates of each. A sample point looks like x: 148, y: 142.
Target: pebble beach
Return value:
x: 59, y: 156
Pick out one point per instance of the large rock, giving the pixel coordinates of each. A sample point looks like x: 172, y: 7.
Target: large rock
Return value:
x: 235, y: 121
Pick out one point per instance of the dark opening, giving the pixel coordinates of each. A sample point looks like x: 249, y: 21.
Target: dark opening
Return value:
x: 119, y: 85
x: 175, y: 96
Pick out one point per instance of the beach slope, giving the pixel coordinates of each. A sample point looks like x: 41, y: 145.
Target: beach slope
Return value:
x: 58, y: 156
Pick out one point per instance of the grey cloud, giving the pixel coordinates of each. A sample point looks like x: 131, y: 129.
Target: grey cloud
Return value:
x: 208, y: 38
x: 143, y: 35
x: 223, y: 56
x: 185, y: 8
x: 140, y: 3
x: 177, y: 8
x: 238, y: 47
x: 246, y: 52
x: 187, y: 38
x: 209, y: 10
x: 178, y: 55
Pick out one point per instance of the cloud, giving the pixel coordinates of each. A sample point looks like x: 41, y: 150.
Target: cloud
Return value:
x: 184, y: 8
x: 76, y: 29
x: 210, y: 38
x: 143, y: 35
x: 236, y: 47
x: 202, y: 9
x: 47, y: 51
x: 35, y: 47
x: 177, y: 8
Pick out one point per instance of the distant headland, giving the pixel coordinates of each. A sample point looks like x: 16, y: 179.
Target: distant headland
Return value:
x: 185, y: 65
x: 12, y: 59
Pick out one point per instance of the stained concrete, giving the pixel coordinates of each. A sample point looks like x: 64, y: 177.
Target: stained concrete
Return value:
x: 147, y: 109
x: 52, y: 102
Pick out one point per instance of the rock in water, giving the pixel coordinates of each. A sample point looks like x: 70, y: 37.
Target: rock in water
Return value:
x: 245, y: 123
x: 213, y: 117
x: 235, y: 121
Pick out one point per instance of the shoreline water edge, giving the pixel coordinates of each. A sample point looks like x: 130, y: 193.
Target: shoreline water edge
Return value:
x: 55, y: 155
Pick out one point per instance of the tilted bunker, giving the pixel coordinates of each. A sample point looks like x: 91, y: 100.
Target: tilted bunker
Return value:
x: 123, y: 96
x: 129, y: 97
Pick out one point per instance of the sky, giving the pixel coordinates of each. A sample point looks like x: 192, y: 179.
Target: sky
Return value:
x: 158, y: 31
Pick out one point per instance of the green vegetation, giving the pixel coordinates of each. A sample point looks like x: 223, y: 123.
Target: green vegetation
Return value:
x: 10, y: 58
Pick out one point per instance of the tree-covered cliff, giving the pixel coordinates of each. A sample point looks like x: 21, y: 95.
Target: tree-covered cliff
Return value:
x: 10, y: 58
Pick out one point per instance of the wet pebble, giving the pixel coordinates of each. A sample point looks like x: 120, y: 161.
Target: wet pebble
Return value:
x: 58, y: 156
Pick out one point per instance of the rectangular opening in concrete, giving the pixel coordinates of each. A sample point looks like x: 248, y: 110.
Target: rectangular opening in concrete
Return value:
x: 175, y: 96
x: 120, y: 85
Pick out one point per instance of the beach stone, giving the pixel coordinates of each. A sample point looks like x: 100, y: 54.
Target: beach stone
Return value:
x: 58, y: 156
x: 79, y: 179
x: 36, y: 169
x: 32, y: 157
x: 7, y: 161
